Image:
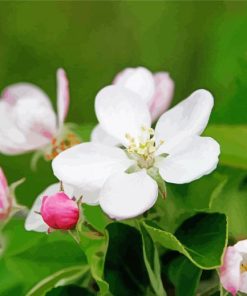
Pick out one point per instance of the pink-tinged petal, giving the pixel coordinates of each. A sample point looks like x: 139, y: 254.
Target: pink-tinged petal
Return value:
x: 3, y: 181
x: 28, y: 123
x: 62, y: 96
x: 164, y: 88
x: 23, y: 99
x: 230, y: 275
x: 12, y: 139
x: 36, y: 117
x: 243, y: 283
x: 139, y: 80
x: 5, y: 201
x: 11, y: 94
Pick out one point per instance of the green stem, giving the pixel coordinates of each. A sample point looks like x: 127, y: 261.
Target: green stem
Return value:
x: 74, y: 235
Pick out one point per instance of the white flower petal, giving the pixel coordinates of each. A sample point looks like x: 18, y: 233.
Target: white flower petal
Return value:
x: 241, y: 246
x: 62, y: 96
x: 34, y: 221
x: 161, y: 100
x: 125, y: 196
x: 188, y: 118
x: 243, y: 283
x: 101, y: 136
x: 89, y: 195
x: 230, y: 271
x: 121, y: 111
x: 88, y: 165
x: 139, y: 80
x: 191, y: 159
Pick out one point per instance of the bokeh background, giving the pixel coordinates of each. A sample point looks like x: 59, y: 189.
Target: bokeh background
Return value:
x: 201, y: 45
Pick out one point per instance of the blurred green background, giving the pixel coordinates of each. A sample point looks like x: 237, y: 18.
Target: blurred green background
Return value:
x: 201, y: 45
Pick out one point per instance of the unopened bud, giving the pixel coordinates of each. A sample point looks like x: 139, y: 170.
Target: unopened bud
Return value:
x: 59, y: 211
x: 5, y: 200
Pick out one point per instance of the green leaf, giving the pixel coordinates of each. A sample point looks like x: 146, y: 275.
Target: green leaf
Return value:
x: 95, y: 217
x: 202, y: 239
x: 69, y: 290
x: 30, y: 257
x: 184, y: 201
x: 232, y: 202
x: 200, y: 194
x: 95, y: 245
x: 184, y: 275
x: 233, y: 143
x: 152, y: 262
x: 60, y: 278
x: 125, y: 270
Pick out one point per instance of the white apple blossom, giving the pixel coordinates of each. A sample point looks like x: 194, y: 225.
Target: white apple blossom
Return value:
x: 156, y: 90
x: 119, y: 179
x: 27, y: 119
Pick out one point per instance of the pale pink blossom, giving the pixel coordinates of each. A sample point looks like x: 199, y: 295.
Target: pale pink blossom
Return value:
x: 27, y: 119
x: 233, y: 273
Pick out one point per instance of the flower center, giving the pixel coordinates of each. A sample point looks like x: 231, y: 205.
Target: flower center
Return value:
x: 59, y: 145
x: 142, y: 149
x: 243, y: 267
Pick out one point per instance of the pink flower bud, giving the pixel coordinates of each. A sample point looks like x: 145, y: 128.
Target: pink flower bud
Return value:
x: 5, y: 200
x: 59, y: 211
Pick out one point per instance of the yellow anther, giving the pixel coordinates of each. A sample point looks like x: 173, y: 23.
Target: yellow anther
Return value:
x: 243, y: 267
x: 143, y: 148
